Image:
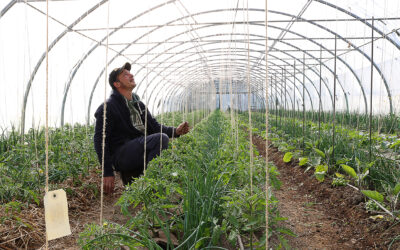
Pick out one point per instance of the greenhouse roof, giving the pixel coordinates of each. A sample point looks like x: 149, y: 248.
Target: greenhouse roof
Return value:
x: 182, y: 48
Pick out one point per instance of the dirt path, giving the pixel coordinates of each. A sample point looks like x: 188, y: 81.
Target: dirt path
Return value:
x: 324, y: 217
x: 307, y: 218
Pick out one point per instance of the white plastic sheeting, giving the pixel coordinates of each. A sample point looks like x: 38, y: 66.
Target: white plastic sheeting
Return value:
x: 181, y: 48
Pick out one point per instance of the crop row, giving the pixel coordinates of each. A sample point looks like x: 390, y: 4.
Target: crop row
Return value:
x: 196, y: 195
x: 372, y: 165
x: 389, y: 123
x: 71, y: 156
x: 22, y: 162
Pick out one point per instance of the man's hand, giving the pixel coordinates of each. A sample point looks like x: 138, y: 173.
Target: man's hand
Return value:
x: 183, y: 128
x: 108, y: 184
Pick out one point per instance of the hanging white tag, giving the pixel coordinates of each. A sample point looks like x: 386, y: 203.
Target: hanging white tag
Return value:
x: 56, y: 214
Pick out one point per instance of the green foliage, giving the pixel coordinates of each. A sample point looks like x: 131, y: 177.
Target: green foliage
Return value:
x: 377, y: 171
x: 288, y: 157
x: 350, y: 171
x: 303, y: 161
x: 175, y: 118
x: 320, y: 172
x: 375, y: 195
x: 319, y: 152
x: 396, y: 189
x: 199, y: 190
x: 110, y: 236
x: 396, y: 144
x: 71, y: 155
x: 339, y: 180
x: 336, y: 182
x: 371, y: 206
x: 358, y: 177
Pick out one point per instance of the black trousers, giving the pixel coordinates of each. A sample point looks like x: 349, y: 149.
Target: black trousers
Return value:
x: 129, y: 159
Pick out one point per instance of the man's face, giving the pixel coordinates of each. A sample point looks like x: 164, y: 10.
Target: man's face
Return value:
x: 126, y: 80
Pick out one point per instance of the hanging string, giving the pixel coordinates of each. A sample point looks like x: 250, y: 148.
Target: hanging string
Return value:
x: 145, y: 110
x: 249, y: 99
x: 104, y: 119
x: 231, y: 95
x: 173, y: 112
x: 162, y: 113
x: 192, y: 104
x: 236, y: 96
x: 266, y: 127
x: 47, y: 108
x: 47, y: 98
x: 161, y: 122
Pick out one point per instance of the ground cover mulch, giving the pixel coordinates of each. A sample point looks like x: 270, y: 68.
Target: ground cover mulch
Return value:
x: 26, y: 230
x: 326, y: 217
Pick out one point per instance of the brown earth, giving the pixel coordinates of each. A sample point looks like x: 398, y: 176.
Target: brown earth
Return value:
x: 80, y: 218
x: 326, y: 217
x: 83, y: 206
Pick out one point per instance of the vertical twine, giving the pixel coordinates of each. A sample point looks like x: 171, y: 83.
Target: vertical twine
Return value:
x: 146, y: 111
x: 231, y: 98
x: 249, y: 101
x: 47, y: 97
x: 266, y: 127
x: 162, y: 112
x: 104, y: 121
x: 47, y: 108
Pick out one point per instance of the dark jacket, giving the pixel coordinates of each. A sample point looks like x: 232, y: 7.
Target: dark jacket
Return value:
x: 119, y: 128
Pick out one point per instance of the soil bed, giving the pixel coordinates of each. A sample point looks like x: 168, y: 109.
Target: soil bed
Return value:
x: 83, y: 206
x: 322, y: 216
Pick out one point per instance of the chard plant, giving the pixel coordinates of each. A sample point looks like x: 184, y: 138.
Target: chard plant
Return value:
x: 380, y: 171
x: 361, y: 173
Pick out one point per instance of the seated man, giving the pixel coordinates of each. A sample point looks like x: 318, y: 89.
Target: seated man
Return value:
x: 125, y: 130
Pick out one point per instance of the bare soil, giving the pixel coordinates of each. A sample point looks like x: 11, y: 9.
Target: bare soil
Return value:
x: 83, y: 206
x: 79, y: 218
x: 326, y: 217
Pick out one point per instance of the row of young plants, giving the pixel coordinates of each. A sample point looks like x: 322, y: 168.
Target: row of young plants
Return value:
x: 22, y: 181
x: 71, y: 156
x: 389, y: 123
x: 375, y: 174
x: 196, y: 195
x: 176, y: 117
x: 22, y: 161
x: 72, y: 160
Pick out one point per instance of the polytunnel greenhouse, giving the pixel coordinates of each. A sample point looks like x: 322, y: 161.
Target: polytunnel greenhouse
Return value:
x: 178, y: 124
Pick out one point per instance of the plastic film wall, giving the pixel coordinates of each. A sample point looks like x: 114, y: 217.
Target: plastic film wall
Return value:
x: 183, y: 50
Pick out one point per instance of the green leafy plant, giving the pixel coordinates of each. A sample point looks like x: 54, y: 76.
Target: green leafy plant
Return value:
x: 371, y: 206
x: 339, y: 180
x: 303, y: 161
x: 392, y: 196
x: 288, y: 157
x: 362, y: 171
x: 320, y: 172
x: 375, y: 195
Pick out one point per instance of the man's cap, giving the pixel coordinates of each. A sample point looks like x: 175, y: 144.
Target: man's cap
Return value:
x: 115, y: 73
